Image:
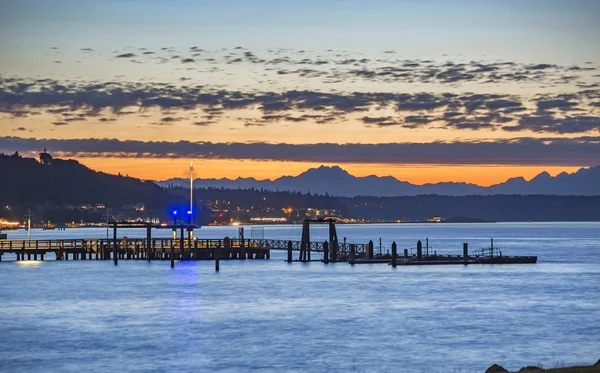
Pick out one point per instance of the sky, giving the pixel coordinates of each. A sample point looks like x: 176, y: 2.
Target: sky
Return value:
x: 425, y: 91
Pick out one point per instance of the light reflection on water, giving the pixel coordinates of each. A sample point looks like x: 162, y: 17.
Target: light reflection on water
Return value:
x: 274, y: 316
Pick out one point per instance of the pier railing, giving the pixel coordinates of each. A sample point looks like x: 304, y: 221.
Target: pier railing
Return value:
x: 162, y: 244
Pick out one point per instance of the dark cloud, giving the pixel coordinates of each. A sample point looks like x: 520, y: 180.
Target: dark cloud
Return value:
x: 126, y: 55
x: 187, y: 60
x: 19, y: 97
x: 549, y: 123
x: 380, y: 121
x: 518, y: 151
x: 556, y: 104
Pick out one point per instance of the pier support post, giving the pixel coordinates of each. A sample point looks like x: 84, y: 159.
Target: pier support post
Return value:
x: 243, y: 248
x: 149, y: 241
x: 217, y: 255
x: 172, y: 254
x: 325, y: 252
x: 115, y: 252
x: 352, y: 254
x: 465, y: 252
x: 394, y: 254
x: 419, y: 250
x: 181, y: 244
x: 370, y: 249
x: 289, y: 251
x: 35, y: 253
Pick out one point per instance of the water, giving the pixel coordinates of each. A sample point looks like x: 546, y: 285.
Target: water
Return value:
x: 272, y: 316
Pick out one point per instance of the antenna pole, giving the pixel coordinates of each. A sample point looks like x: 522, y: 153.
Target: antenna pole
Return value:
x: 191, y: 190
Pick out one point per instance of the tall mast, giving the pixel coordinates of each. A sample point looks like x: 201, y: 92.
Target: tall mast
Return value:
x: 191, y: 190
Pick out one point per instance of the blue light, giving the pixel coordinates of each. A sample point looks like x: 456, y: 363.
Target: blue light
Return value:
x: 189, y: 212
x: 174, y: 212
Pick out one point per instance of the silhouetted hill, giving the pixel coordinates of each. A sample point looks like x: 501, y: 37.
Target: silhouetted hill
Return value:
x: 336, y: 181
x: 46, y: 189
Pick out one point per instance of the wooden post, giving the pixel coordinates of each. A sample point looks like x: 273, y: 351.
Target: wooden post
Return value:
x: 352, y: 254
x: 181, y: 243
x: 217, y: 255
x: 35, y: 253
x: 190, y: 234
x: 465, y: 252
x: 419, y: 250
x: 41, y: 256
x: 243, y: 248
x: 370, y: 249
x: 394, y: 254
x: 325, y: 252
x: 289, y: 251
x: 172, y: 254
x: 23, y: 251
x: 149, y: 241
x: 115, y: 252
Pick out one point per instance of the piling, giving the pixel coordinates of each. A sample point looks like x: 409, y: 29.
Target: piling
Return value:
x: 181, y: 243
x: 172, y: 254
x: 217, y: 254
x: 352, y: 254
x: 149, y: 242
x: 419, y: 250
x: 370, y: 249
x: 35, y: 254
x: 465, y: 252
x: 394, y: 255
x: 115, y: 253
x: 405, y: 253
x: 289, y: 251
x: 325, y: 252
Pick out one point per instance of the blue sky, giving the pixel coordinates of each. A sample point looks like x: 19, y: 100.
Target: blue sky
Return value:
x: 533, y: 30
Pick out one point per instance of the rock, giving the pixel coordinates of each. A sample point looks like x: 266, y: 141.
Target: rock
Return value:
x: 496, y: 369
x: 529, y: 368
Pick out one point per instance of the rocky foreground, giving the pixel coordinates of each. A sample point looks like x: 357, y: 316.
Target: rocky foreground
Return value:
x: 533, y: 369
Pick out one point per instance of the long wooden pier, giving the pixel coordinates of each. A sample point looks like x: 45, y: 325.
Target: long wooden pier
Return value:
x: 186, y: 247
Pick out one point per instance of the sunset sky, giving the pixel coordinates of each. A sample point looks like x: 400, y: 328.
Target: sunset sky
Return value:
x: 425, y: 91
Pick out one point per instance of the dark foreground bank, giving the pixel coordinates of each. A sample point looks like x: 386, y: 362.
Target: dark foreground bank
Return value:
x: 531, y: 369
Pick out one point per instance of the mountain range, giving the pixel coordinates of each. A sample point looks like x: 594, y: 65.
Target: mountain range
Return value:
x: 337, y: 182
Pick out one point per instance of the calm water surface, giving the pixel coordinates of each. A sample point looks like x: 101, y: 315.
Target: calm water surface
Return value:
x: 273, y: 316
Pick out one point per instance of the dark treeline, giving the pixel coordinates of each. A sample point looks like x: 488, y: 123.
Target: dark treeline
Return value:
x: 261, y: 200
x: 56, y: 191
x: 490, y: 208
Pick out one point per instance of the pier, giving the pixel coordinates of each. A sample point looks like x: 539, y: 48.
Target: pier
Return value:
x: 184, y: 246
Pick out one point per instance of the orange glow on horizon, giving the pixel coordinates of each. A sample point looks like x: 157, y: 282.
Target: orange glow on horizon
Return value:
x: 162, y: 169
